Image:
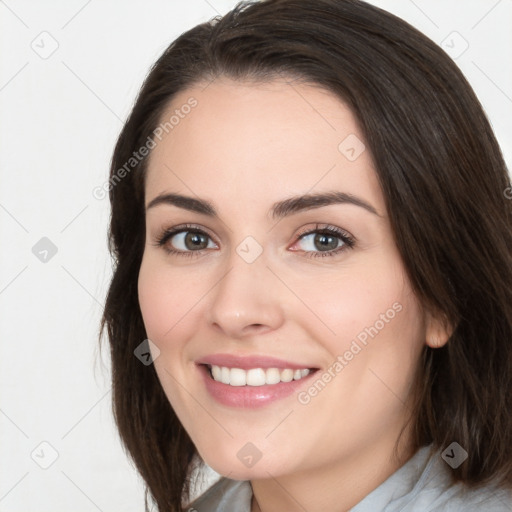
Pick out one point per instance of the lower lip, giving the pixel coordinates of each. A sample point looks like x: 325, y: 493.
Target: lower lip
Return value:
x: 249, y: 396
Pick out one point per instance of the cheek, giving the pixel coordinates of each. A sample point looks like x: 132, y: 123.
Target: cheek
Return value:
x: 380, y: 333
x: 153, y: 302
x: 166, y: 297
x: 166, y: 301
x: 353, y: 302
x: 373, y: 350
x: 370, y: 317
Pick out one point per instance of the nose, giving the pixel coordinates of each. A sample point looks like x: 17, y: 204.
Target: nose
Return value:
x: 246, y: 301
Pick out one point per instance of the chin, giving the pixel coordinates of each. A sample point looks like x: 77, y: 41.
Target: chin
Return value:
x: 244, y: 464
x: 255, y: 473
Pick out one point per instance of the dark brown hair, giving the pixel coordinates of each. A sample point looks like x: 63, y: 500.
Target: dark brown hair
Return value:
x: 443, y: 179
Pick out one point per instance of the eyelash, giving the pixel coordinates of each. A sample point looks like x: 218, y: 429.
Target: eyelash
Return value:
x: 348, y: 240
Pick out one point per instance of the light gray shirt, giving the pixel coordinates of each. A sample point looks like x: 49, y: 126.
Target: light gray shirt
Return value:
x: 420, y: 485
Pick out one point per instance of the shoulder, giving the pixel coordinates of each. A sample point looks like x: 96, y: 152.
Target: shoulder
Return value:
x: 424, y: 484
x: 226, y: 495
x: 434, y: 492
x: 485, y: 498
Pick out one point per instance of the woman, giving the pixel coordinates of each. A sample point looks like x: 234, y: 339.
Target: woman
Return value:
x: 313, y: 248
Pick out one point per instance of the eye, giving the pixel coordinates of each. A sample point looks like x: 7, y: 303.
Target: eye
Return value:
x: 191, y: 241
x: 185, y: 240
x: 325, y: 241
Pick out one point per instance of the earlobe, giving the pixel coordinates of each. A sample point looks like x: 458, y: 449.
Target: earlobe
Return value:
x: 438, y: 331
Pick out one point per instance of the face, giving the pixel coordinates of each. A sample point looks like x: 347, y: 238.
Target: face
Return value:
x: 270, y: 264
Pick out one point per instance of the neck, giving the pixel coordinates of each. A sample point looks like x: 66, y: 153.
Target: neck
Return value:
x: 337, y: 486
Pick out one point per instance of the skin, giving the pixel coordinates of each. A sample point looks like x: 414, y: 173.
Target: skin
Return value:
x: 244, y: 147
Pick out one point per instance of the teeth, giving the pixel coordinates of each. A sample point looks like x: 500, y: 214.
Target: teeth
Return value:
x: 287, y: 375
x: 255, y: 376
x: 225, y: 375
x: 272, y: 376
x: 237, y: 377
x: 216, y: 372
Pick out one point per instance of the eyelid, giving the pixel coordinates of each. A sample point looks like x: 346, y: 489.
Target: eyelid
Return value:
x: 179, y: 228
x: 324, y: 227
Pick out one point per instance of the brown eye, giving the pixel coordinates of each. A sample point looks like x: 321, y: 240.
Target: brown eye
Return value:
x: 187, y: 240
x: 320, y: 242
x: 324, y: 242
x: 195, y: 241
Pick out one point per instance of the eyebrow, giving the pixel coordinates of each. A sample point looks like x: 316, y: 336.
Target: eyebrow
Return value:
x: 278, y: 210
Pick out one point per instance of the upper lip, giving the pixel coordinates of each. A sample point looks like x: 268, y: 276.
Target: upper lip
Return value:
x: 248, y: 362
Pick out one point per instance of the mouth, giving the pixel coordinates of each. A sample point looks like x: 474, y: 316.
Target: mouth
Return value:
x: 256, y: 377
x: 252, y: 381
x: 260, y: 383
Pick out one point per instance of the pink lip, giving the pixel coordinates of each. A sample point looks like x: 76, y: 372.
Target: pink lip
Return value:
x: 248, y: 362
x: 249, y: 397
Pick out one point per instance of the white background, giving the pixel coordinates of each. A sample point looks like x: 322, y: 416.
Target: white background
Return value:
x: 60, y: 116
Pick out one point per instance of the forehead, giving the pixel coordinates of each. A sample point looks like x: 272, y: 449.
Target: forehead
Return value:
x: 259, y: 142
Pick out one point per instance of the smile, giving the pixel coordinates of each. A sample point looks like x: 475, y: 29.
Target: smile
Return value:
x: 255, y: 376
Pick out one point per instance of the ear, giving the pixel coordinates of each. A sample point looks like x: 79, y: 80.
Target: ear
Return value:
x: 438, y: 330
